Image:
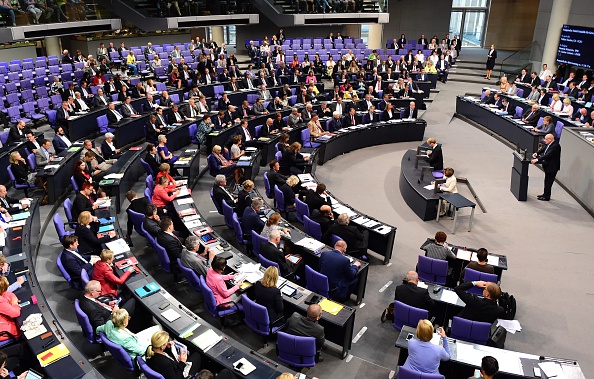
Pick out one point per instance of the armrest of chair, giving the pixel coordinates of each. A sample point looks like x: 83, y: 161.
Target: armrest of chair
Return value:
x: 223, y: 306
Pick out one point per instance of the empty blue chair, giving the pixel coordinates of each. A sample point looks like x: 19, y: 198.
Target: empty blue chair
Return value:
x: 312, y: 228
x: 471, y: 275
x: 190, y: 275
x: 470, y: 331
x: 267, y: 186
x: 241, y: 238
x: 432, y: 270
x: 149, y: 182
x: 227, y: 214
x: 407, y: 315
x: 257, y: 241
x: 68, y: 212
x: 163, y: 257
x: 59, y: 225
x: 558, y: 129
x: 192, y: 130
x: 118, y: 353
x: 147, y: 167
x: 220, y: 311
x: 84, y: 277
x: 74, y: 184
x: 302, y: 210
x: 137, y: 221
x: 85, y: 324
x: 316, y: 282
x: 296, y: 351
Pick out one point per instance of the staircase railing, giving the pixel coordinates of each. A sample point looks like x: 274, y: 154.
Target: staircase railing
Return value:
x: 519, y: 60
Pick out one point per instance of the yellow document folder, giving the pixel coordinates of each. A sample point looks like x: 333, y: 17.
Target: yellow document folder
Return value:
x: 330, y: 306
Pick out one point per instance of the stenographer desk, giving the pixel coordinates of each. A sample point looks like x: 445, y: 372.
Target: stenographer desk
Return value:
x: 465, y: 357
x: 188, y: 165
x: 128, y: 165
x: 503, y: 126
x: 422, y: 201
x: 21, y: 242
x: 338, y: 328
x: 58, y: 178
x: 250, y: 163
x: 361, y: 136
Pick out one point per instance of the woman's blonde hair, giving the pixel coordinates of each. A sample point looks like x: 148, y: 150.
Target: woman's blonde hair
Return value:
x: 248, y: 185
x: 161, y: 138
x: 270, y: 277
x: 119, y: 318
x: 273, y: 219
x: 3, y: 284
x: 285, y: 375
x: 566, y: 101
x: 84, y: 218
x: 13, y: 155
x: 216, y: 149
x: 555, y: 96
x: 106, y: 255
x: 164, y: 167
x: 158, y: 339
x: 424, y: 330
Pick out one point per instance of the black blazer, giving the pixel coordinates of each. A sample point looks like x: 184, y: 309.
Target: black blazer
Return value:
x: 107, y: 152
x: 97, y: 314
x: 111, y: 117
x: 477, y: 308
x: 172, y: 245
x: 272, y: 253
x: 151, y: 226
x: 315, y: 200
x: 269, y: 297
x: 413, y: 295
x: 550, y: 157
x: 81, y: 203
x: 324, y: 221
x: 20, y: 172
x: 290, y: 159
x: 168, y: 368
x: 275, y: 177
x: 220, y: 195
x: 13, y: 135
x: 436, y: 158
x: 88, y: 243
x: 251, y: 221
x: 386, y: 117
x: 407, y: 113
x: 288, y: 194
x: 244, y: 200
x: 152, y: 161
x: 349, y: 233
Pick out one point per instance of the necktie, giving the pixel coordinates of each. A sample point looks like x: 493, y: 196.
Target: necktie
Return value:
x: 319, y: 127
x: 248, y: 136
x: 244, y: 112
x: 352, y: 120
x: 234, y: 87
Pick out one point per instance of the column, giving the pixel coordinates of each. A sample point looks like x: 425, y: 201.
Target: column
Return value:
x: 374, y: 40
x: 52, y: 46
x: 559, y: 16
x: 217, y: 35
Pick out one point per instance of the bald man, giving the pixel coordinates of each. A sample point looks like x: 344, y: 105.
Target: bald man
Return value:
x: 308, y: 327
x: 411, y: 294
x: 342, y: 275
x: 550, y: 157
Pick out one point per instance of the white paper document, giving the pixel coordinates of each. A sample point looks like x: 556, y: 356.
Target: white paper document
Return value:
x: 449, y: 296
x: 383, y: 229
x: 464, y: 254
x: 360, y: 220
x: 305, y: 178
x: 114, y: 176
x: 511, y: 326
x: 118, y: 246
x: 310, y: 244
x: 493, y: 260
x: 187, y: 200
x: 170, y: 315
x: 421, y: 284
x: 183, y: 191
x: 552, y: 370
x: 430, y: 187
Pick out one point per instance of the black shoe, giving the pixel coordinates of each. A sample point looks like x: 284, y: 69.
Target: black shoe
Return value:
x: 540, y: 195
x: 320, y: 358
x: 544, y: 199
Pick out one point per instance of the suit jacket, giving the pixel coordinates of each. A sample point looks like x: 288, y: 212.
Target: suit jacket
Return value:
x: 315, y: 200
x: 251, y: 221
x: 436, y: 158
x: 273, y: 253
x: 152, y: 161
x: 190, y: 259
x: 126, y: 112
x: 385, y: 116
x: 348, y: 121
x: 336, y: 124
x: 298, y: 325
x: 339, y: 271
x: 97, y: 314
x: 477, y: 308
x: 408, y: 115
x: 75, y: 265
x: 535, y: 82
x: 348, y: 233
x: 259, y: 109
x: 81, y: 203
x: 573, y: 93
x: 294, y: 120
x: 59, y: 144
x: 88, y: 242
x: 275, y: 177
x: 269, y: 297
x: 220, y: 195
x: 40, y: 158
x: 413, y: 295
x: 531, y: 119
x: 111, y: 117
x: 100, y: 101
x: 550, y: 157
x: 8, y: 202
x: 324, y: 221
x: 151, y: 226
x: 107, y: 152
x: 169, y: 368
x: 551, y: 85
x: 171, y: 244
x: 13, y: 135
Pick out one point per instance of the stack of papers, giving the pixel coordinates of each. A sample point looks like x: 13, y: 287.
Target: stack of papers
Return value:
x: 449, y: 296
x: 170, y: 315
x: 114, y: 176
x: 118, y: 246
x: 511, y: 326
x: 187, y: 200
x: 552, y: 370
x: 252, y: 272
x: 207, y: 340
x: 305, y: 178
x: 245, y: 158
x: 339, y: 208
x: 310, y: 244
x: 183, y: 191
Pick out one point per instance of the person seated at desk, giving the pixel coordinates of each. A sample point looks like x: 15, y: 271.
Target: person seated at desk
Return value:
x: 108, y: 148
x: 161, y: 198
x: 489, y: 367
x: 251, y: 219
x: 556, y: 103
x: 20, y: 169
x: 161, y: 359
x: 411, y: 294
x: 103, y: 273
x: 336, y: 123
x: 113, y: 116
x: 482, y: 266
x: 215, y: 280
x: 423, y: 356
x: 167, y: 238
x: 567, y: 107
x: 9, y: 310
x: 221, y: 194
x: 354, y: 238
x: 98, y: 312
x: 488, y: 97
x: 389, y: 113
x: 192, y: 258
x: 74, y: 262
x: 542, y: 97
x: 16, y: 133
x: 342, y: 275
x: 244, y: 199
x: 546, y: 127
x: 323, y: 216
x: 292, y: 162
x: 117, y: 332
x: 283, y: 142
x: 15, y: 359
x: 439, y: 249
x: 435, y: 155
x: 235, y: 151
x: 127, y: 109
x: 151, y: 220
x: 31, y: 144
x: 315, y: 199
x: 531, y: 116
x: 273, y: 224
x: 290, y: 190
x: 480, y: 308
x: 268, y: 295
x: 88, y: 242
x: 43, y: 156
x: 164, y: 154
x: 274, y: 175
x: 100, y: 100
x: 220, y: 165
x: 271, y: 250
x: 533, y: 95
x: 83, y: 202
x: 9, y: 203
x: 411, y: 112
x: 152, y: 158
x: 308, y: 326
x: 164, y: 170
x: 97, y: 171
x: 315, y: 129
x: 60, y: 141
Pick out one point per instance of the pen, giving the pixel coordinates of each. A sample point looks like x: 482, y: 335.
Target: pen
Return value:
x: 49, y: 343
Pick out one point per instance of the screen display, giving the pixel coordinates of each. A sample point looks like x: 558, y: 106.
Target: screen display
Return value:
x: 575, y: 46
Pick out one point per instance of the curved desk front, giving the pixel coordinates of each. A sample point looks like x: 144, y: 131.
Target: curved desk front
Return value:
x: 422, y: 201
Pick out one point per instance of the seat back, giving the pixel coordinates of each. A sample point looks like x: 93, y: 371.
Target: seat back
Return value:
x: 558, y: 129
x: 432, y: 270
x: 265, y: 262
x: 256, y: 316
x: 227, y: 213
x: 31, y: 161
x: 407, y: 373
x: 74, y: 184
x: 257, y: 242
x: 146, y: 370
x: 59, y: 225
x: 209, y: 299
x: 279, y: 197
x: 68, y: 212
x: 150, y: 183
x: 335, y: 239
x: 146, y: 166
x: 84, y: 277
x: 137, y: 220
x: 296, y: 351
x: 312, y: 228
x: 85, y: 324
x: 63, y: 271
x: 118, y: 353
x: 267, y: 185
x: 4, y: 137
x: 471, y: 275
x: 238, y: 230
x: 216, y: 203
x: 407, y: 315
x: 519, y: 112
x: 470, y: 331
x: 190, y: 275
x: 163, y: 257
x: 316, y: 282
x: 302, y: 209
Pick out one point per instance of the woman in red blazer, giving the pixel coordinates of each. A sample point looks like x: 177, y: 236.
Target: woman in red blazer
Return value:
x: 103, y: 273
x: 9, y: 310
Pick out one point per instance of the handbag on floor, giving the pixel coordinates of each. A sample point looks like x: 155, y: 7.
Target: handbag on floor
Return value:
x: 388, y: 313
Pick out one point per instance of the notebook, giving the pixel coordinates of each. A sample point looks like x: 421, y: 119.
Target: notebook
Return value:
x: 52, y: 355
x: 147, y: 290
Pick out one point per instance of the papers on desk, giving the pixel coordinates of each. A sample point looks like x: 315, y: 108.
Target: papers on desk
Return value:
x: 430, y: 187
x: 183, y: 191
x: 193, y: 224
x: 245, y: 158
x: 324, y: 138
x: 511, y: 326
x: 310, y: 244
x: 360, y: 220
x: 118, y: 246
x: 305, y: 178
x: 552, y: 370
x: 464, y: 254
x: 519, y: 122
x: 187, y: 200
x: 51, y: 166
x: 421, y: 284
x: 15, y: 224
x: 384, y: 229
x: 252, y: 272
x: 114, y: 176
x: 449, y: 296
x: 206, y: 340
x: 330, y: 306
x: 244, y: 366
x: 470, y: 354
x: 339, y: 208
x: 170, y: 315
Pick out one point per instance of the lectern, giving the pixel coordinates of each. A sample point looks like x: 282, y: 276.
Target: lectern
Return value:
x: 519, y: 176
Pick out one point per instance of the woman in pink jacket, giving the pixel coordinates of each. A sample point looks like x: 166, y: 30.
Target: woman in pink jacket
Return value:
x: 9, y: 310
x: 216, y: 282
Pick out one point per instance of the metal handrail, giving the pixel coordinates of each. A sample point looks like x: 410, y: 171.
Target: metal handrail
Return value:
x: 518, y: 60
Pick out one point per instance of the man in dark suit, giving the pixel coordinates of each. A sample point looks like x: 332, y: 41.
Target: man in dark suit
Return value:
x: 550, y: 157
x: 531, y: 116
x: 97, y: 312
x: 153, y: 129
x: 16, y: 133
x: 435, y: 154
x: 8, y: 202
x: 366, y: 103
x: 274, y: 175
x: 169, y: 241
x: 524, y: 77
x: 250, y: 219
x: 151, y: 221
x: 411, y: 111
x: 336, y: 122
x: 314, y: 199
x: 534, y: 79
x: 271, y: 251
x: 113, y: 116
x: 220, y: 193
x: 483, y: 309
x: 152, y: 158
x: 423, y: 41
x: 342, y: 275
x: 100, y: 100
x: 308, y: 327
x: 323, y: 216
x: 573, y: 90
x: 74, y: 262
x: 550, y: 84
x: 411, y: 294
x: 350, y: 119
x: 354, y: 238
x: 62, y: 116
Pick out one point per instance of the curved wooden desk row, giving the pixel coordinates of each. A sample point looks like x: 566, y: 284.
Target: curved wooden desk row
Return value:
x: 21, y: 242
x: 422, y: 201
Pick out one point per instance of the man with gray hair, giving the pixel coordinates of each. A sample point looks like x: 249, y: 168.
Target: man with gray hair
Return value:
x: 271, y: 251
x: 294, y: 117
x: 193, y: 259
x: 221, y: 194
x: 411, y: 294
x: 354, y: 238
x: 98, y: 312
x: 251, y: 219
